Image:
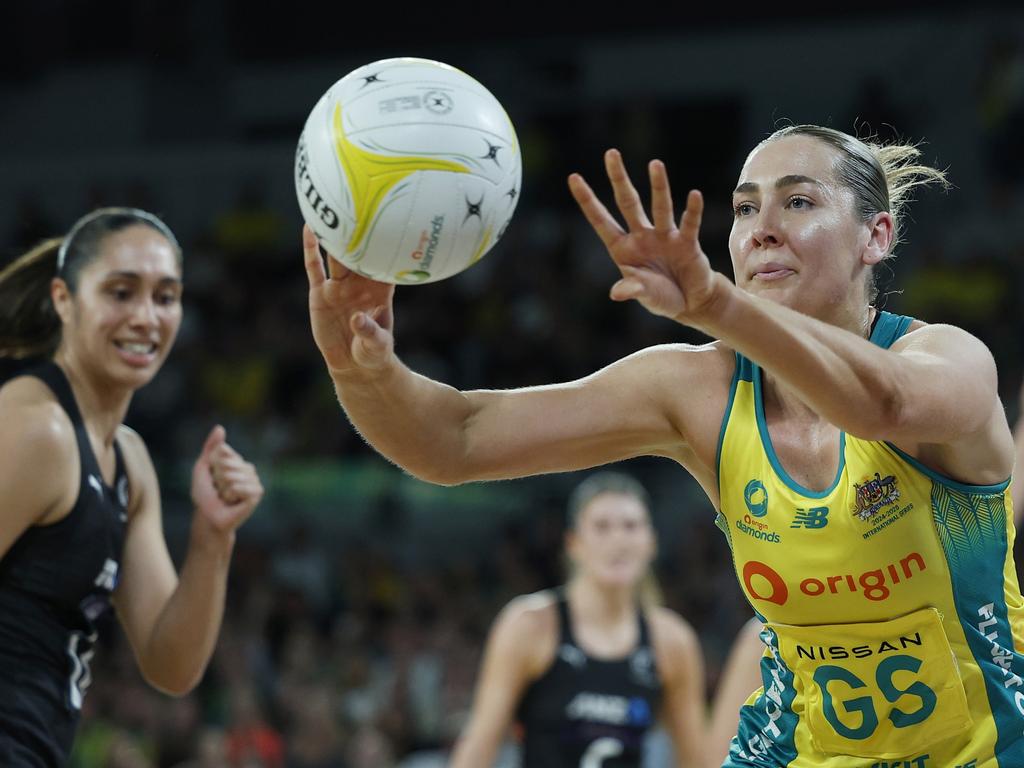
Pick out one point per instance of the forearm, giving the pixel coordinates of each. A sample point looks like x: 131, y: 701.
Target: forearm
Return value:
x: 416, y: 422
x: 185, y: 633
x: 843, y: 377
x: 475, y: 751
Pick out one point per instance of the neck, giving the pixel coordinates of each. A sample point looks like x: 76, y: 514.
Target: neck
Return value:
x: 103, y: 406
x: 602, y: 605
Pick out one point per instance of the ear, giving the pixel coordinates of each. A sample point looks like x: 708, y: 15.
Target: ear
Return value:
x: 60, y: 295
x: 881, y: 230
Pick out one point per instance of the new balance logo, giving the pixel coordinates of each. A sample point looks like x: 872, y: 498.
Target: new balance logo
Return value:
x: 815, y: 517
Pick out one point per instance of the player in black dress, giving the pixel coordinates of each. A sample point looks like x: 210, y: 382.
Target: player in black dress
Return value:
x: 588, y: 669
x: 81, y: 527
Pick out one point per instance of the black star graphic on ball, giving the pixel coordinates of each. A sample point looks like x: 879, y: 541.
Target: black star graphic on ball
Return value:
x: 374, y: 78
x: 512, y: 193
x: 473, y: 209
x: 492, y: 153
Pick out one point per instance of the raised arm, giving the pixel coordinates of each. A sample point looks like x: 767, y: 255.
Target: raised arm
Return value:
x: 172, y: 622
x: 447, y: 436
x: 935, y: 387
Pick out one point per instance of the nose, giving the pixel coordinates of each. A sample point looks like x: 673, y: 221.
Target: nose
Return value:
x: 766, y: 233
x: 144, y: 313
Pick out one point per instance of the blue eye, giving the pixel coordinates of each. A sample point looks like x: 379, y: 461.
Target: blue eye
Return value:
x: 800, y: 203
x: 743, y: 209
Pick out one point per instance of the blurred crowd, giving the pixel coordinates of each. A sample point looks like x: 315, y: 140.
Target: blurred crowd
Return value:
x: 349, y: 643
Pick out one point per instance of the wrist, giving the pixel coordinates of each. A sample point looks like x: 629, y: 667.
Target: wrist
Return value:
x: 708, y: 316
x: 207, y: 539
x: 361, y: 376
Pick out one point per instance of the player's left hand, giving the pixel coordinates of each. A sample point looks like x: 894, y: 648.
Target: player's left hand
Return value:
x: 662, y: 264
x: 225, y: 487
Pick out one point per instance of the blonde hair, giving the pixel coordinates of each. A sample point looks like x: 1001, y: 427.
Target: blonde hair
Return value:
x: 882, y: 177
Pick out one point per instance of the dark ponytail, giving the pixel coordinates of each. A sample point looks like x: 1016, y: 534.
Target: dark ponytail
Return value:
x: 29, y: 325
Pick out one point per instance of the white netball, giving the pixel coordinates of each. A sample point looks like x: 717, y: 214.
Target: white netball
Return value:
x: 408, y: 170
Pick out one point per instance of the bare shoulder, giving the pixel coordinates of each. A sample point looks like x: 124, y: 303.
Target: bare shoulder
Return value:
x: 34, y: 422
x: 136, y: 455
x: 935, y: 337
x: 39, y: 448
x: 529, y: 616
x: 526, y: 632
x: 676, y: 644
x: 687, y: 363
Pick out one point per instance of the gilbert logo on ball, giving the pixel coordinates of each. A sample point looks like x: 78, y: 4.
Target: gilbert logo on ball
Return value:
x: 408, y: 170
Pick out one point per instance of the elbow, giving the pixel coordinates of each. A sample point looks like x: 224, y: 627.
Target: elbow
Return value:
x: 445, y: 474
x: 174, y: 683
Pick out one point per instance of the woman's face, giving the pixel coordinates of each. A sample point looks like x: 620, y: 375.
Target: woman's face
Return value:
x: 795, y: 237
x: 613, y: 542
x: 124, y: 316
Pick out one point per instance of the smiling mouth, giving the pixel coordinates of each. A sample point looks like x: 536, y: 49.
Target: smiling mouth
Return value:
x: 136, y: 348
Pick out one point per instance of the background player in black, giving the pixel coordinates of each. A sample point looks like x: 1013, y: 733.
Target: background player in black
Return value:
x: 80, y: 522
x: 588, y: 669
x: 740, y: 677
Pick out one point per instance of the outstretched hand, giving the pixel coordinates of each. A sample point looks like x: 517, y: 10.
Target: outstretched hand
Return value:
x: 351, y: 315
x: 662, y: 264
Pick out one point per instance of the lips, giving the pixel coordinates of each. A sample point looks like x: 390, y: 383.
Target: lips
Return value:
x: 772, y: 271
x: 137, y: 353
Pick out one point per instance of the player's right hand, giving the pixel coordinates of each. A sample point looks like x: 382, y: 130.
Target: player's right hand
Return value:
x: 351, y: 316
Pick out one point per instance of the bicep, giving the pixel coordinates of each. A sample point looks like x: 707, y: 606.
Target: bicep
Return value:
x: 619, y: 412
x: 148, y: 575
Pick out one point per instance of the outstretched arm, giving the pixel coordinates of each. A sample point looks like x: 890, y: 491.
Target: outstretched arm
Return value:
x: 172, y: 622
x: 447, y: 436
x: 936, y: 386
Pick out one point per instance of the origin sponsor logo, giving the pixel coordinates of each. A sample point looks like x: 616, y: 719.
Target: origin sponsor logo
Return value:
x: 831, y: 652
x: 874, y: 585
x: 758, y: 530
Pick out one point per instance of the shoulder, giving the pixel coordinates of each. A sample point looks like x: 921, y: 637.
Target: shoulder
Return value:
x: 936, y: 337
x: 676, y: 644
x: 38, y: 445
x: 34, y: 422
x: 529, y: 616
x: 689, y: 361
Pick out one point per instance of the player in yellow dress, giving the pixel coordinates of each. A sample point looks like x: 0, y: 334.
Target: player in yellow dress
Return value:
x: 859, y: 460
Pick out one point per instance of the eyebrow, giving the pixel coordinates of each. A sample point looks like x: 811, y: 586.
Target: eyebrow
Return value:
x: 127, y: 275
x: 783, y: 182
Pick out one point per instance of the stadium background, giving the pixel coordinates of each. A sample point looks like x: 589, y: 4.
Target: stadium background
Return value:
x: 359, y: 597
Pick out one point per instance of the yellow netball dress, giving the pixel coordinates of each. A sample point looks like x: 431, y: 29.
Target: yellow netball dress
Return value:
x: 887, y: 600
